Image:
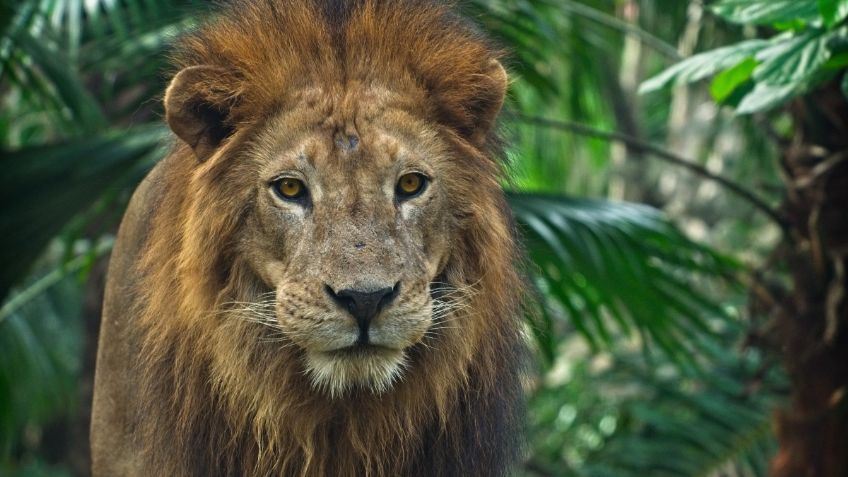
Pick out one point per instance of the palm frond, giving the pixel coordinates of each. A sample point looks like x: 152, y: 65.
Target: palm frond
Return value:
x: 629, y: 414
x: 701, y: 427
x: 88, y: 64
x: 609, y: 268
x: 44, y: 187
x: 40, y: 358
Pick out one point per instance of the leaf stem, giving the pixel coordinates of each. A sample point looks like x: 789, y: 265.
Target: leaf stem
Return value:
x: 598, y: 16
x: 51, y: 278
x: 659, y: 153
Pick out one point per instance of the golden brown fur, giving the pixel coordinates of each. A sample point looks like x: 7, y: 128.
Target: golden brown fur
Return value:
x: 212, y: 393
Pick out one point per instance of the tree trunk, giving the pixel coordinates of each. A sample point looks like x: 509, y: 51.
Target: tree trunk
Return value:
x: 812, y: 326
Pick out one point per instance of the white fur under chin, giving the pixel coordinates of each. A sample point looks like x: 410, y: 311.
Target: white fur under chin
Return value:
x: 335, y: 373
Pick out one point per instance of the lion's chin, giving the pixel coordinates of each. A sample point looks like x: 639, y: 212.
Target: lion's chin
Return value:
x: 373, y: 368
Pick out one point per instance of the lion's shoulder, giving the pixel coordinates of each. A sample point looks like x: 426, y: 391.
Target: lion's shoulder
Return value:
x: 113, y: 411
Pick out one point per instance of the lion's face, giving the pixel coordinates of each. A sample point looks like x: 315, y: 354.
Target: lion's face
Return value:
x: 352, y: 226
x: 364, y: 191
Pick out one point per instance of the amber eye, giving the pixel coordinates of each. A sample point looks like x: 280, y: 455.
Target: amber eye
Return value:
x: 410, y: 185
x: 289, y: 188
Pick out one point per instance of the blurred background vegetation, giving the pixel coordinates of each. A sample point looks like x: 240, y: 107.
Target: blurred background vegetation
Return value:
x: 665, y: 241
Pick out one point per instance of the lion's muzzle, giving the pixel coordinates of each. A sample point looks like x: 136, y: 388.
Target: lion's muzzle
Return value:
x: 363, y: 304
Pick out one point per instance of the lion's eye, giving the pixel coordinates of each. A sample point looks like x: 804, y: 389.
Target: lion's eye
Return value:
x: 410, y: 185
x: 289, y: 188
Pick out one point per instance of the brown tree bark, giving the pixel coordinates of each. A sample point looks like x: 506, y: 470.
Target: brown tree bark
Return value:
x: 812, y: 325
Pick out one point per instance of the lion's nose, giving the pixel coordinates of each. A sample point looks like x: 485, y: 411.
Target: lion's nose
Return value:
x: 364, y: 304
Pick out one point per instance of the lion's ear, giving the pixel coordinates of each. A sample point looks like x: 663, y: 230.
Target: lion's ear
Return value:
x: 197, y: 105
x: 485, y: 105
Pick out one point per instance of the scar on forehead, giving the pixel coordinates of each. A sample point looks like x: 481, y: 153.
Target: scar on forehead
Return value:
x: 345, y: 141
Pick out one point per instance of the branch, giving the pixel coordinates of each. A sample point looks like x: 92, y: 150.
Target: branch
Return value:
x: 659, y: 153
x: 598, y: 16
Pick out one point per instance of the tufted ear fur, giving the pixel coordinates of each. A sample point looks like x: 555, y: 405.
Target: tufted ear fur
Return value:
x: 488, y: 104
x: 197, y: 107
x: 472, y: 105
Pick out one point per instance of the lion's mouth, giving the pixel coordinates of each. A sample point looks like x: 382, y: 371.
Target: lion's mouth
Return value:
x: 361, y: 349
x: 368, y: 366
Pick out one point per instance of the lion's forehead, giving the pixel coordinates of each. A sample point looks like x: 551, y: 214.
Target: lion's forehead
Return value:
x: 373, y: 129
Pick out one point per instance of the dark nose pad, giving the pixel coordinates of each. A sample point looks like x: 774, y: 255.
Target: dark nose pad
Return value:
x: 364, y: 305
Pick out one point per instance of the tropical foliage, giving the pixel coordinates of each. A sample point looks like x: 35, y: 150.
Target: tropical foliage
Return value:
x: 642, y: 215
x: 808, y: 49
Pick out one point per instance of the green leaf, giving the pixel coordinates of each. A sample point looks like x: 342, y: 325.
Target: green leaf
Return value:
x: 619, y: 268
x: 655, y: 411
x: 764, y: 97
x: 69, y: 88
x: 21, y: 297
x: 794, y: 60
x: 787, y: 69
x: 40, y: 360
x: 833, y: 11
x: 704, y: 64
x: 726, y: 82
x: 43, y: 187
x: 768, y: 12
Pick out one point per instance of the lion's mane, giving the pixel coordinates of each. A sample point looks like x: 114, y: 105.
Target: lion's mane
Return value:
x: 219, y: 400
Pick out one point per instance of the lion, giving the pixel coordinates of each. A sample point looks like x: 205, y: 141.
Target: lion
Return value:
x: 322, y: 277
